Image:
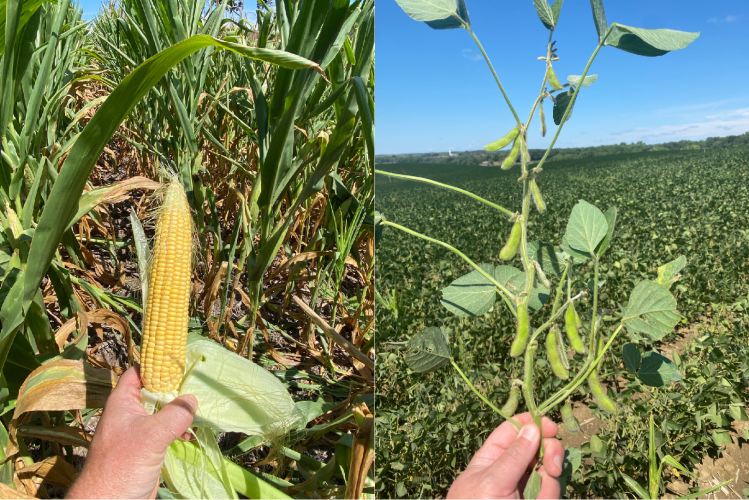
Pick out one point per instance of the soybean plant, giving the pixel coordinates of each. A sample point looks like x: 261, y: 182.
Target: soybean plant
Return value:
x: 526, y: 291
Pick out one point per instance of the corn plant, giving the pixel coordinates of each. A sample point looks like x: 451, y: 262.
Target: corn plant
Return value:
x: 546, y: 269
x: 655, y: 472
x: 171, y: 84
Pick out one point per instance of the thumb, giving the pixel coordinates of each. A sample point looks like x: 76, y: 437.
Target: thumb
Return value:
x: 173, y: 420
x: 518, y: 456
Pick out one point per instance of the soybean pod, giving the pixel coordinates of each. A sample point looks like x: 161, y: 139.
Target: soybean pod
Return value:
x: 512, y: 402
x: 570, y: 421
x: 542, y: 118
x: 556, y: 355
x: 537, y: 198
x: 512, y: 156
x: 511, y: 247
x: 571, y: 322
x: 599, y: 393
x: 552, y: 77
x: 521, y: 336
x: 504, y: 141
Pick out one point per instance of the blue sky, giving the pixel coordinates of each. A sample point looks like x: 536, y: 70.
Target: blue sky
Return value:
x: 434, y: 90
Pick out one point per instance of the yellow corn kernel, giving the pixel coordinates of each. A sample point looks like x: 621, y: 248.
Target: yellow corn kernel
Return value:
x: 168, y: 297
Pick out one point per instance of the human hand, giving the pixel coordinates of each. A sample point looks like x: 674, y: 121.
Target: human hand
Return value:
x: 503, y: 464
x: 129, y: 446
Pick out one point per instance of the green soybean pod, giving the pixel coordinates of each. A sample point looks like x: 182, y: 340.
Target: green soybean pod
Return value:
x: 504, y: 141
x: 512, y: 401
x: 555, y: 356
x: 521, y: 337
x: 600, y: 393
x: 510, y: 160
x: 537, y: 198
x: 570, y: 421
x: 552, y: 77
x: 511, y: 247
x: 542, y: 116
x: 570, y: 320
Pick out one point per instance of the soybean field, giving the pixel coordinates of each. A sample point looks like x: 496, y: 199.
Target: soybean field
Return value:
x: 692, y: 202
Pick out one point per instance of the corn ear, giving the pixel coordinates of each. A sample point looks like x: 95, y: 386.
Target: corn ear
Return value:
x: 168, y: 299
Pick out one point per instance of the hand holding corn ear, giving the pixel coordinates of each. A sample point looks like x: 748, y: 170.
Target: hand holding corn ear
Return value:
x: 128, y: 449
x: 232, y: 393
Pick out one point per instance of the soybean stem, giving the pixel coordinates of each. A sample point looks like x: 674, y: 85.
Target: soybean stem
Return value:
x: 588, y: 368
x: 460, y: 254
x: 481, y: 396
x: 447, y: 186
x: 574, y: 96
x: 496, y: 78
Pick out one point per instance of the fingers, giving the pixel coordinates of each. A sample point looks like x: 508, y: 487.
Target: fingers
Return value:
x: 553, y: 456
x: 549, y: 485
x: 173, y: 420
x: 514, y: 462
x: 128, y: 386
x: 503, y: 436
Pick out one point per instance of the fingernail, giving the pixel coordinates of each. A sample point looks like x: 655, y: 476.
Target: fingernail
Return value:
x: 191, y: 401
x: 558, y: 461
x: 529, y: 432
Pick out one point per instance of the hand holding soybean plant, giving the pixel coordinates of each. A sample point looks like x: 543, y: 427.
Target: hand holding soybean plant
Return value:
x: 649, y: 315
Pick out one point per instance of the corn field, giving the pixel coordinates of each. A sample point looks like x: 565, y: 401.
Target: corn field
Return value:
x: 265, y: 119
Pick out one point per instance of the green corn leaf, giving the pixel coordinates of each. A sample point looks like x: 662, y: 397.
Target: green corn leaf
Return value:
x: 62, y: 202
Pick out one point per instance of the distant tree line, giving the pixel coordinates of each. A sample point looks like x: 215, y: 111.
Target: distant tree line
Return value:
x: 482, y: 157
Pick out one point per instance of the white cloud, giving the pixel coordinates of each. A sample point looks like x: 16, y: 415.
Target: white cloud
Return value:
x: 691, y: 131
x: 471, y: 55
x: 729, y: 19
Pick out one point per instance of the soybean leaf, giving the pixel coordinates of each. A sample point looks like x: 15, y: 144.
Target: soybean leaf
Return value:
x: 428, y: 350
x: 737, y: 412
x: 576, y: 256
x: 631, y: 357
x: 597, y: 445
x: 668, y: 273
x: 571, y: 462
x: 587, y: 81
x: 505, y: 274
x: 437, y: 14
x: 563, y: 100
x: 599, y: 17
x: 556, y: 8
x: 651, y: 310
x: 635, y: 486
x: 533, y: 486
x: 470, y: 295
x: 657, y: 370
x: 539, y: 294
x: 544, y: 13
x: 721, y: 437
x: 610, y: 216
x: 586, y: 227
x: 544, y: 254
x: 649, y: 43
